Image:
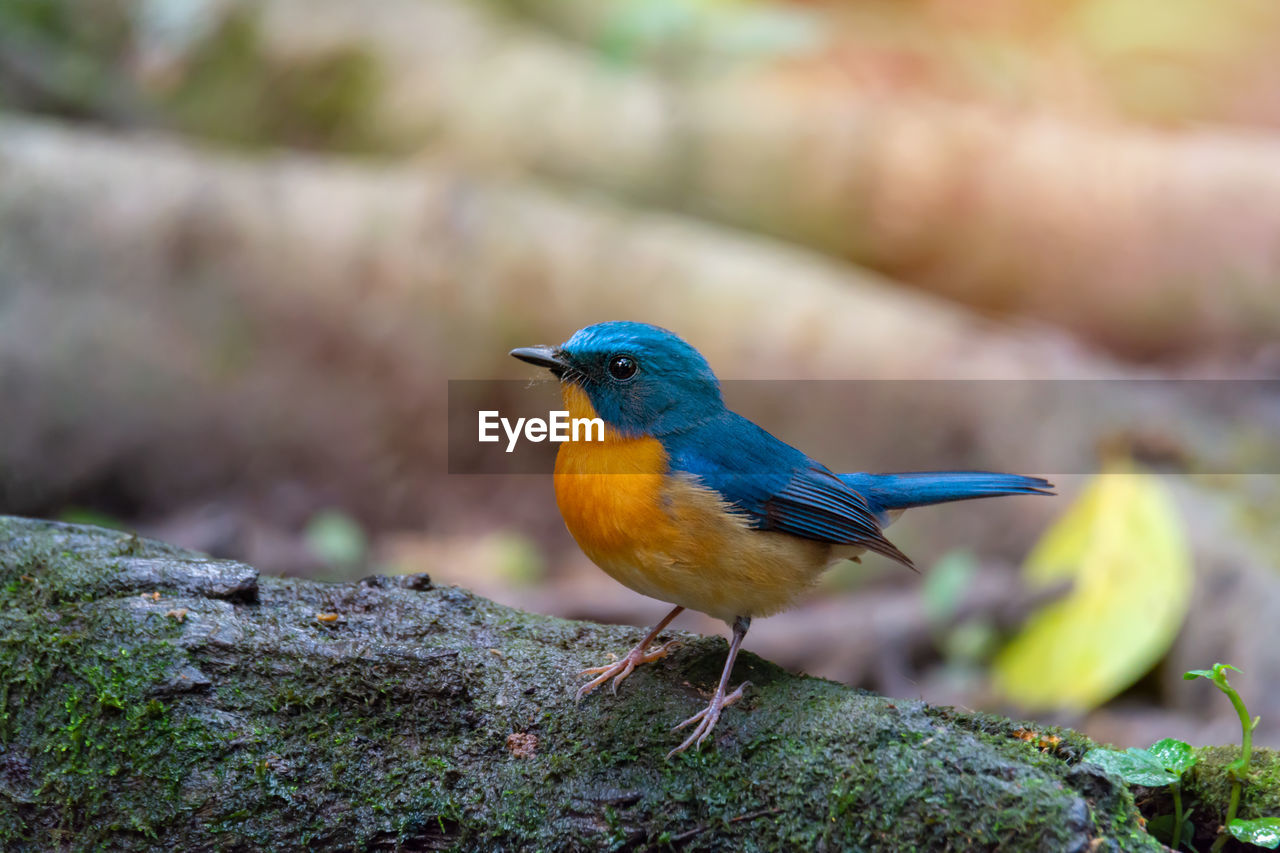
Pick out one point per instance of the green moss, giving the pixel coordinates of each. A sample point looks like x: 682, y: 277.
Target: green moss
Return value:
x: 390, y: 727
x: 1210, y: 783
x: 235, y: 92
x: 1207, y: 790
x: 227, y: 86
x: 66, y: 51
x: 104, y: 754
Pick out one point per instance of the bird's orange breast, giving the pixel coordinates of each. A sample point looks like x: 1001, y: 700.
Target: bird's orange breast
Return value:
x: 610, y: 490
x: 666, y: 535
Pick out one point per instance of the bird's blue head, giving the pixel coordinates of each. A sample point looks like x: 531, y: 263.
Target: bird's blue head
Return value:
x: 642, y: 380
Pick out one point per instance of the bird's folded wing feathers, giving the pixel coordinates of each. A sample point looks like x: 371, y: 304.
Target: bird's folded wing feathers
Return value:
x: 816, y: 505
x: 776, y: 486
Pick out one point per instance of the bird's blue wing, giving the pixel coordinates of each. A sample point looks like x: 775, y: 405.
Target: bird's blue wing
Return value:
x: 776, y: 486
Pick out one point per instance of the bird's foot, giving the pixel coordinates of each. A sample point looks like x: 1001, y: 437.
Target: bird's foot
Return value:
x: 706, y: 719
x: 619, y: 670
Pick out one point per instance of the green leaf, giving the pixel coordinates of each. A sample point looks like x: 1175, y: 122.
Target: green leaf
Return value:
x: 1263, y: 832
x: 517, y: 559
x: 1134, y: 766
x: 1218, y: 675
x: 942, y: 591
x: 76, y: 515
x: 336, y: 538
x: 1173, y: 755
x: 640, y: 28
x: 1161, y: 827
x: 1122, y: 546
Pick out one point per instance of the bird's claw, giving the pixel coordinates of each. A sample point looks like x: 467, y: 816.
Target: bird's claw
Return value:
x: 706, y: 719
x: 619, y: 670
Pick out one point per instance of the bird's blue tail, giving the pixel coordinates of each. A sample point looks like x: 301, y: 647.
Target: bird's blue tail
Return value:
x: 887, y: 492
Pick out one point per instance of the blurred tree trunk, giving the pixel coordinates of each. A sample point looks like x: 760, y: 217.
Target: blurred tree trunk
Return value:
x: 241, y: 321
x: 248, y: 321
x: 1151, y: 242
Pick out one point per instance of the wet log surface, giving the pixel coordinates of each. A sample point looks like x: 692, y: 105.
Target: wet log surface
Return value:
x: 155, y: 698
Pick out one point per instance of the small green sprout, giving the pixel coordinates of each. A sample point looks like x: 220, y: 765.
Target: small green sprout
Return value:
x: 1162, y: 763
x: 1264, y: 832
x: 1166, y: 761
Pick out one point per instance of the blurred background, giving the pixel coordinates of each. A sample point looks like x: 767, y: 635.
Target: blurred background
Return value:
x: 245, y: 245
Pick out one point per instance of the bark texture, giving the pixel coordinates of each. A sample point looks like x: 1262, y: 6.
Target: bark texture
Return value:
x: 157, y: 699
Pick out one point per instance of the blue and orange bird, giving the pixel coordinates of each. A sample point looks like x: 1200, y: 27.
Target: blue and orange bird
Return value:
x: 687, y: 502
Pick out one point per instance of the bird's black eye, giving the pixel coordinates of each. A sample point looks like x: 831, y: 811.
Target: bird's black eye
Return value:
x: 622, y: 367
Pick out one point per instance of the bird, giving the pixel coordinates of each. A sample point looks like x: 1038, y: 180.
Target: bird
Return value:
x: 685, y: 501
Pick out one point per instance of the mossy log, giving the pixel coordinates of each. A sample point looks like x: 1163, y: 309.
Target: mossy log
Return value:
x: 157, y: 699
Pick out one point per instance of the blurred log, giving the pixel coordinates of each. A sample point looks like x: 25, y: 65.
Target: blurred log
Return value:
x: 176, y: 324
x: 1153, y: 243
x: 220, y: 710
x: 244, y: 322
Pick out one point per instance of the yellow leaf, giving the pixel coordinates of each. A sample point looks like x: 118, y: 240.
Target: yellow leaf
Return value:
x: 1123, y: 547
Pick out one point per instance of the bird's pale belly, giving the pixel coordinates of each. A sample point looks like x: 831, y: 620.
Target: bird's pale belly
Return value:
x: 670, y: 538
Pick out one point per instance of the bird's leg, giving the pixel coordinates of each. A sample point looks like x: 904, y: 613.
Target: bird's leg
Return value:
x: 621, y: 669
x: 707, y: 717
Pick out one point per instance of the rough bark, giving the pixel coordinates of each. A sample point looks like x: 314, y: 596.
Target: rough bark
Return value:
x: 156, y: 699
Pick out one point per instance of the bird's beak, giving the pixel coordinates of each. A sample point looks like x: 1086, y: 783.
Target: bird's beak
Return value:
x: 549, y: 357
